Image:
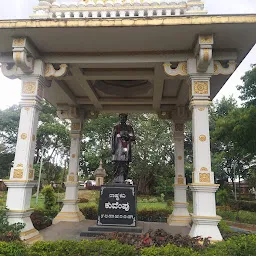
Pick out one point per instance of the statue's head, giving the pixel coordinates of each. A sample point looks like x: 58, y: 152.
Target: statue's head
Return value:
x: 123, y: 118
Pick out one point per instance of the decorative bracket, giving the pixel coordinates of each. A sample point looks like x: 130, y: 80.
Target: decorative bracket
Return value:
x: 220, y: 70
x: 180, y: 70
x: 51, y: 72
x: 24, y: 54
x: 9, y: 70
x: 203, y: 52
x: 65, y: 111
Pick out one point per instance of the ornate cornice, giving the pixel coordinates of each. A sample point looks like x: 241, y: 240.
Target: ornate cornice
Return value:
x: 180, y: 70
x: 51, y: 72
x: 220, y: 70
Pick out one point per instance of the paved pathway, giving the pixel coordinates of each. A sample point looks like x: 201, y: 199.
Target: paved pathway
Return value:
x: 72, y: 230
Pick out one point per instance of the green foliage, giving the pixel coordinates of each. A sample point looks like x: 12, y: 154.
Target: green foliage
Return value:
x: 240, y: 216
x: 49, y: 198
x: 225, y: 230
x: 155, y: 212
x: 83, y: 248
x: 6, y: 158
x: 248, y: 89
x: 169, y: 250
x: 243, y: 205
x: 42, y: 218
x: 243, y: 245
x: 90, y: 210
x: 222, y: 197
x: 13, y: 249
x: 152, y: 164
x: 158, y: 238
x: 224, y: 227
x: 9, y: 126
x: 9, y: 232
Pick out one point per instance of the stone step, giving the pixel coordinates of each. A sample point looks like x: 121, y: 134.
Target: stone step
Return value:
x: 115, y: 229
x: 99, y: 230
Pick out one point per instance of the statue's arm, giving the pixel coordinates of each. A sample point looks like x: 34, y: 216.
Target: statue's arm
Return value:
x: 113, y: 141
x: 132, y: 135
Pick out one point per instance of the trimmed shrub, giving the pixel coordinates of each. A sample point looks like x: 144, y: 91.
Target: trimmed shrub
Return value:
x: 90, y: 211
x: 222, y: 197
x: 12, y: 249
x: 169, y: 250
x: 83, y: 200
x: 83, y: 248
x: 41, y: 219
x: 243, y: 205
x: 154, y: 215
x: 50, y: 201
x: 242, y: 245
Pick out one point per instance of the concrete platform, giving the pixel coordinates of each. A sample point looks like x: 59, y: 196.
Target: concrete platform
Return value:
x: 72, y: 230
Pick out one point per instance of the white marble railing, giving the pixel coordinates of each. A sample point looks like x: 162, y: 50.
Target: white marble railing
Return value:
x: 117, y: 8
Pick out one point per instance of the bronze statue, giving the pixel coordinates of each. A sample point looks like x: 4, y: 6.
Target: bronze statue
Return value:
x: 122, y: 138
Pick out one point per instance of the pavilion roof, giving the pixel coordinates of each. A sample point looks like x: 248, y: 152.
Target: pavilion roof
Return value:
x: 117, y: 8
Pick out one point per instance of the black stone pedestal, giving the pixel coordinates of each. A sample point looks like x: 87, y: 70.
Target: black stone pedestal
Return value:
x: 117, y: 210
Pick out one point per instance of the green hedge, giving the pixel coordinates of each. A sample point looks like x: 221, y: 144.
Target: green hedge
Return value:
x: 241, y: 216
x: 83, y: 248
x: 12, y: 249
x: 90, y: 212
x: 169, y: 250
x: 242, y: 245
x: 243, y: 205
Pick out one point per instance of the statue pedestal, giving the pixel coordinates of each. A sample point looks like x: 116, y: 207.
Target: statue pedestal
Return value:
x: 117, y: 205
x: 117, y: 210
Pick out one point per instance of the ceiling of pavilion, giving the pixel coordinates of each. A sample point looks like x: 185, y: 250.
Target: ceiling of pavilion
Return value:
x: 119, y: 68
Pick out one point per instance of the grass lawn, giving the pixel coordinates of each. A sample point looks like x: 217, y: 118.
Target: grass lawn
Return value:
x: 142, y: 203
x: 157, y: 205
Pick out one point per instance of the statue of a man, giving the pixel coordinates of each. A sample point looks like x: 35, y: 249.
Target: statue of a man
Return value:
x: 122, y: 137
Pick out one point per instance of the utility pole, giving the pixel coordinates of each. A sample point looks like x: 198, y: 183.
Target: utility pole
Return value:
x: 234, y: 168
x: 40, y: 173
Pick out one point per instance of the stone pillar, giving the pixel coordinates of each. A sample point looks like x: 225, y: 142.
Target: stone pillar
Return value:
x: 70, y: 211
x: 22, y: 174
x: 180, y: 215
x: 204, y: 216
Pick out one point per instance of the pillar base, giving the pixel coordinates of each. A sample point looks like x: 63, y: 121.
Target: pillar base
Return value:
x: 180, y: 215
x: 69, y: 212
x: 205, y: 225
x: 29, y: 234
x: 181, y: 221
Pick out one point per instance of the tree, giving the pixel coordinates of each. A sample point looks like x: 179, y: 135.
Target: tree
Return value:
x: 152, y: 154
x: 52, y: 135
x: 9, y: 127
x: 6, y: 158
x: 236, y: 142
x: 248, y: 89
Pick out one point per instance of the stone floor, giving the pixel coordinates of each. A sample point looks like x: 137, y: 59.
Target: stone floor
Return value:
x: 72, y: 230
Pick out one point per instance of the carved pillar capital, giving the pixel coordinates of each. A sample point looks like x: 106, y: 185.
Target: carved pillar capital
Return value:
x: 203, y: 52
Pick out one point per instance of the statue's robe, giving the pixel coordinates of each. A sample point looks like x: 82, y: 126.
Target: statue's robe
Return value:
x: 121, y: 150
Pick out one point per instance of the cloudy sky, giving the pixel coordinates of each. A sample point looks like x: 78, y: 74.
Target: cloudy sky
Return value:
x: 10, y: 89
